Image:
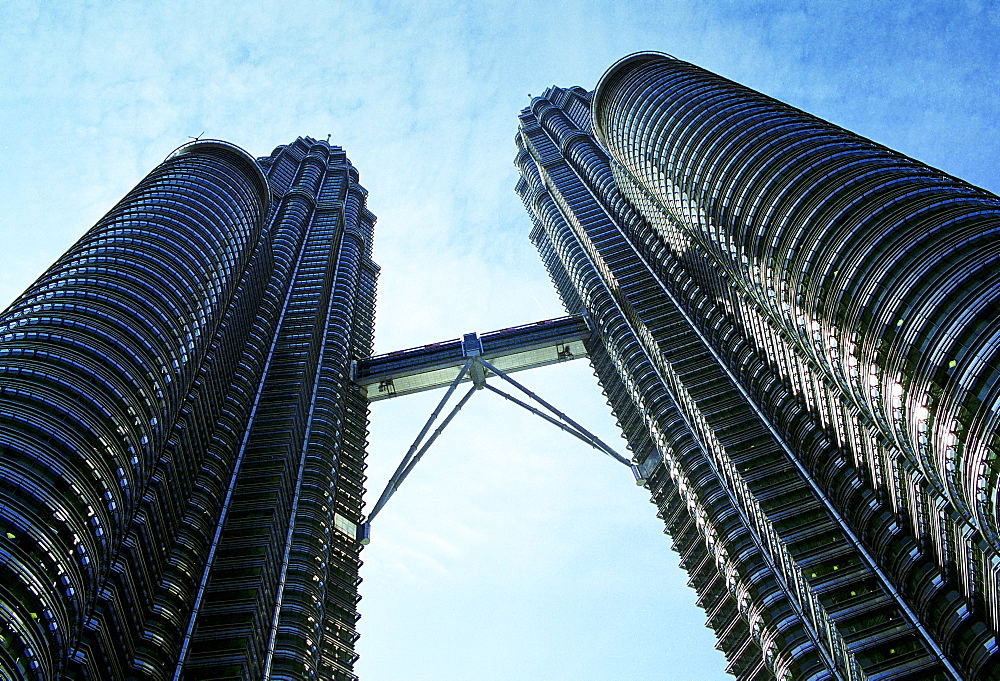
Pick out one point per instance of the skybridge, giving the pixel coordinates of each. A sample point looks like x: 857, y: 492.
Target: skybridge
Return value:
x: 474, y: 358
x: 436, y: 365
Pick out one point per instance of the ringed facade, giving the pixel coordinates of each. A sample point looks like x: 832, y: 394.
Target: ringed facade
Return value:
x: 765, y: 287
x: 182, y: 462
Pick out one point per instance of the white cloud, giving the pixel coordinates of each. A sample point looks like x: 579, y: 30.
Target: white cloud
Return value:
x: 510, y: 531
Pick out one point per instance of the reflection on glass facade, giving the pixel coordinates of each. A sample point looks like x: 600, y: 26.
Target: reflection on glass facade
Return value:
x: 798, y: 334
x: 181, y: 462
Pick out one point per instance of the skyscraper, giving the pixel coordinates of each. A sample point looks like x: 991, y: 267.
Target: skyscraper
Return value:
x: 796, y: 329
x: 798, y: 334
x: 181, y: 457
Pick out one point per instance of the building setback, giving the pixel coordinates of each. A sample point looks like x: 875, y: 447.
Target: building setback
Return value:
x: 181, y: 462
x: 797, y: 330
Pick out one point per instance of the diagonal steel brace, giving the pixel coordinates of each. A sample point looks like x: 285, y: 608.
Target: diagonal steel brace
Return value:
x: 583, y: 436
x: 476, y: 366
x: 405, y: 465
x: 578, y: 430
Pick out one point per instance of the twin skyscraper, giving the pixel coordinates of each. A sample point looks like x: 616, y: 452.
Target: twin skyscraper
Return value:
x: 798, y: 331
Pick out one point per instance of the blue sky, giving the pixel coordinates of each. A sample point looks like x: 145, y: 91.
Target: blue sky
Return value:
x: 512, y: 551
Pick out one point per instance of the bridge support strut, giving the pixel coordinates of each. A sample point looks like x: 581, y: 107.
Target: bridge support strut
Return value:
x: 479, y: 370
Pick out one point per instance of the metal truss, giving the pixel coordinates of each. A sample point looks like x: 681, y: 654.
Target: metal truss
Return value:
x: 478, y: 369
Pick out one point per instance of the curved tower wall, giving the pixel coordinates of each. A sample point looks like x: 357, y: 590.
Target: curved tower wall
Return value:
x: 182, y: 456
x: 880, y: 273
x: 805, y: 568
x: 96, y: 358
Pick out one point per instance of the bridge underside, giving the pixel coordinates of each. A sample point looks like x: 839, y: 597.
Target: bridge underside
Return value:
x: 475, y: 358
x: 437, y: 365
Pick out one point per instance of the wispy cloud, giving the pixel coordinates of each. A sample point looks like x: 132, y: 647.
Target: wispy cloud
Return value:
x: 509, y: 541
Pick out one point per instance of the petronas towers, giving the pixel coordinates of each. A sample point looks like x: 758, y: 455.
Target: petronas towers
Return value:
x: 797, y: 329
